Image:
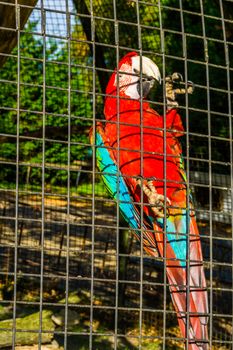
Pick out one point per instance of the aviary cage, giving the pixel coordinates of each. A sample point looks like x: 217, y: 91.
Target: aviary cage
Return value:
x: 72, y: 275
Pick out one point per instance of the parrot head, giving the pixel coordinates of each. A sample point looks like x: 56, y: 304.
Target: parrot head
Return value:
x: 134, y: 76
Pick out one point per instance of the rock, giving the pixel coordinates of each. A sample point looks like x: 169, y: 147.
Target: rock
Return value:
x: 27, y: 330
x: 59, y: 318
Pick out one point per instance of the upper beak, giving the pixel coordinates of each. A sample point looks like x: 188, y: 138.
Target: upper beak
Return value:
x: 147, y: 66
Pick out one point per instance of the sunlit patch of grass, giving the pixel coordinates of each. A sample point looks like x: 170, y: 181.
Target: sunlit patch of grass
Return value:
x: 83, y: 189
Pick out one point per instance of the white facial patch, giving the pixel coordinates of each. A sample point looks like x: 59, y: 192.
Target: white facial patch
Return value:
x: 123, y: 79
x: 127, y: 82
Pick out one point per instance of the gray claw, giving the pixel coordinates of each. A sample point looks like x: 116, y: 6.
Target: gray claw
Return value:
x: 174, y: 78
x: 190, y: 87
x: 177, y: 77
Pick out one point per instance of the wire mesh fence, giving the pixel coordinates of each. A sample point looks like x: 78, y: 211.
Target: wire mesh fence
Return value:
x: 72, y: 274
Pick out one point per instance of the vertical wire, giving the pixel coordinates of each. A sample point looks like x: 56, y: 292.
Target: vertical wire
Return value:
x: 93, y: 176
x: 43, y: 30
x: 210, y: 172
x: 68, y: 174
x: 141, y: 174
x: 17, y: 20
x: 230, y: 121
x: 116, y: 33
x: 165, y: 182
x: 187, y: 207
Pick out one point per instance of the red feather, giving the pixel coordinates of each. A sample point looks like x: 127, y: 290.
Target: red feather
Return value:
x: 145, y: 145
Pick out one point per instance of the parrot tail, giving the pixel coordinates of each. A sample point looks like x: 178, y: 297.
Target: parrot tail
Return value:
x: 187, y: 281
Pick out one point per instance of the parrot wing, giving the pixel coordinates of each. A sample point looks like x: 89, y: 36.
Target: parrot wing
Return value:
x: 118, y: 189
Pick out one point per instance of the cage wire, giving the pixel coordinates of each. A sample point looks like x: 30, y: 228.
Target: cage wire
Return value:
x: 72, y: 274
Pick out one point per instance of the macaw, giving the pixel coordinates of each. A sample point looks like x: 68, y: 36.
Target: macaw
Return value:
x: 140, y: 159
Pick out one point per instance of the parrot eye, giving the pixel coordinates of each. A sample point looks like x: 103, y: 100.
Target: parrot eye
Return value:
x: 146, y: 78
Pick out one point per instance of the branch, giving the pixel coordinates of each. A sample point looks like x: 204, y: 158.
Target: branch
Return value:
x: 82, y: 8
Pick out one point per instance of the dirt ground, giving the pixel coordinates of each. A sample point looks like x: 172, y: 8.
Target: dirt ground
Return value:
x: 61, y: 246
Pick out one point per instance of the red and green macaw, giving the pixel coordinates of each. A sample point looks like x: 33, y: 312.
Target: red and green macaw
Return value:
x: 140, y: 158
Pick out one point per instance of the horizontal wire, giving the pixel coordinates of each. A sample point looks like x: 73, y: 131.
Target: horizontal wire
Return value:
x: 80, y: 253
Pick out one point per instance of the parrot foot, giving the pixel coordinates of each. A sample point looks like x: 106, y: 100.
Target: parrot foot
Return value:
x: 173, y: 85
x: 154, y: 198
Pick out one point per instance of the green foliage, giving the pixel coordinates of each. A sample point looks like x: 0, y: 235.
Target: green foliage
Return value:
x: 41, y: 107
x: 202, y: 52
x: 54, y: 110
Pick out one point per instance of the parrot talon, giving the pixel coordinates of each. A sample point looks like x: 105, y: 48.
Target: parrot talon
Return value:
x: 175, y: 86
x: 190, y: 87
x: 155, y: 199
x: 178, y: 77
x: 174, y: 78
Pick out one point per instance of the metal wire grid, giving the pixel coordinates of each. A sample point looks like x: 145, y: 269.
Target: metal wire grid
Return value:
x: 84, y: 257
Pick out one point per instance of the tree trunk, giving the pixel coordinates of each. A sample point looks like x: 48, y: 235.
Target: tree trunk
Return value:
x: 8, y: 33
x: 82, y: 8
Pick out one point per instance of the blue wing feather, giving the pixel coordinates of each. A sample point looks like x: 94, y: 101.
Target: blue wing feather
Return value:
x: 119, y: 190
x: 115, y: 183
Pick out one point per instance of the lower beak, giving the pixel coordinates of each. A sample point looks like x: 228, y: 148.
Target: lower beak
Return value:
x: 145, y: 87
